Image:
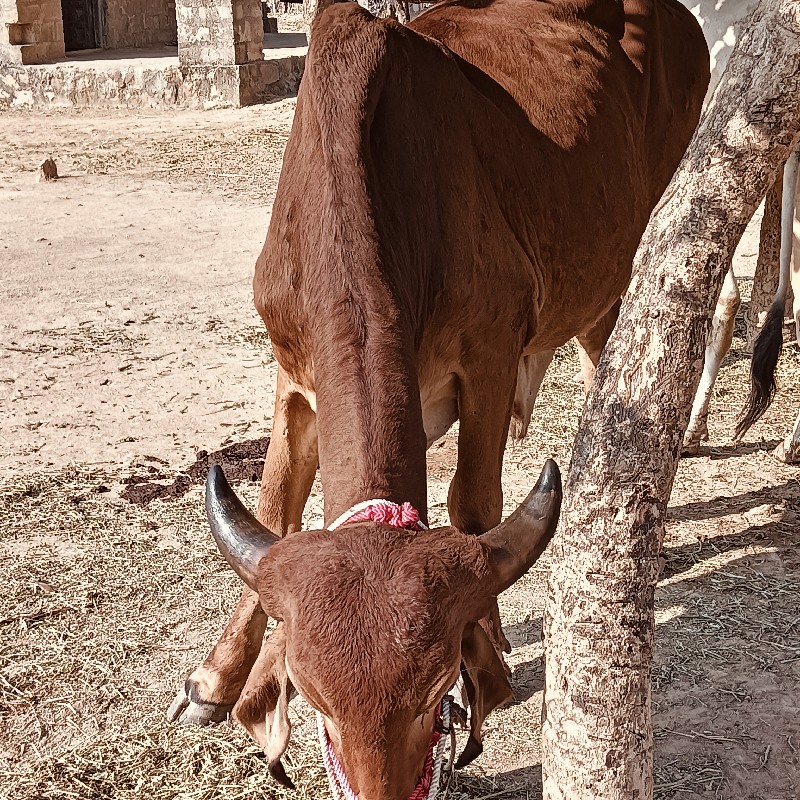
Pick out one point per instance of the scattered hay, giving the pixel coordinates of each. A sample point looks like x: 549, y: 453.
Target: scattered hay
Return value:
x: 254, y: 336
x: 170, y: 762
x: 683, y: 777
x: 79, y: 340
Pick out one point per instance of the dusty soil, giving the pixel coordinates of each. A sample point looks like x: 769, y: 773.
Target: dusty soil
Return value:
x: 128, y: 345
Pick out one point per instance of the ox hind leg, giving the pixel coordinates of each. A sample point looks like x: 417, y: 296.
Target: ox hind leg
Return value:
x: 291, y: 463
x: 530, y: 374
x: 719, y: 342
x: 591, y: 344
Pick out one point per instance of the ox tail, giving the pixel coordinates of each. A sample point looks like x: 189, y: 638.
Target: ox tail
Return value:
x: 769, y: 343
x: 766, y: 351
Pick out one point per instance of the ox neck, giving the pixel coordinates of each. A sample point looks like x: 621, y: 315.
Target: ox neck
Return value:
x: 366, y: 469
x: 372, y: 442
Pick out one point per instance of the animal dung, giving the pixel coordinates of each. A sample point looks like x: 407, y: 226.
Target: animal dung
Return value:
x: 48, y: 171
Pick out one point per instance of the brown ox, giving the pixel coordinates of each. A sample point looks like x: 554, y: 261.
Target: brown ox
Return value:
x: 458, y: 198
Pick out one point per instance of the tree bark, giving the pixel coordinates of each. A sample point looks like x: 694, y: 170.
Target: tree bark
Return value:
x: 399, y: 9
x: 765, y: 279
x: 597, y: 735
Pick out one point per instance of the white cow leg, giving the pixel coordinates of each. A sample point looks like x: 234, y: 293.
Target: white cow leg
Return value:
x: 789, y: 449
x: 719, y: 342
x: 795, y: 271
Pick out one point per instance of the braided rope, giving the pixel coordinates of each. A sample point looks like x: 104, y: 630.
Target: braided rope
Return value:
x: 337, y: 780
x: 436, y: 773
x: 443, y: 767
x: 385, y: 511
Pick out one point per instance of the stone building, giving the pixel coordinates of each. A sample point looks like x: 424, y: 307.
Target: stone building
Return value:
x: 140, y: 52
x: 40, y: 31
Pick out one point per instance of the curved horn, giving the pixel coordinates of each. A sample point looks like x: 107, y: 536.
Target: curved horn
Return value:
x: 517, y: 542
x: 240, y: 537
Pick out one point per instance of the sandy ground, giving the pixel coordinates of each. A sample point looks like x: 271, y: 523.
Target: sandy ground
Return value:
x: 128, y: 344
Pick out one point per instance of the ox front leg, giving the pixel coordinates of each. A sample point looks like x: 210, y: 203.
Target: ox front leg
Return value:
x: 475, y: 499
x: 291, y: 463
x: 719, y: 342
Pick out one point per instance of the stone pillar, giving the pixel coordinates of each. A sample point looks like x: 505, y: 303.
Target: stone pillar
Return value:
x: 31, y: 31
x: 221, y: 44
x: 219, y: 32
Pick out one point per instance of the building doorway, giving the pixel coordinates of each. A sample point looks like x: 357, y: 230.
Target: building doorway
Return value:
x: 81, y: 24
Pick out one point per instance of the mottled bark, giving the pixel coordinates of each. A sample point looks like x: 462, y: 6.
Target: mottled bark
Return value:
x: 597, y: 736
x: 401, y: 10
x: 765, y: 279
x: 310, y: 10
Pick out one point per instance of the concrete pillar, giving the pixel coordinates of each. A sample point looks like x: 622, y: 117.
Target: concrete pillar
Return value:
x: 219, y: 32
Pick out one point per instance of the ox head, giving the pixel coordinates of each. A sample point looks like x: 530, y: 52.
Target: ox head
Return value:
x: 375, y: 625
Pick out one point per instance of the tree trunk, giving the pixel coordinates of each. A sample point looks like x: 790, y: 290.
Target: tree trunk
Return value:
x: 765, y: 279
x: 597, y: 735
x: 399, y: 9
x: 310, y: 10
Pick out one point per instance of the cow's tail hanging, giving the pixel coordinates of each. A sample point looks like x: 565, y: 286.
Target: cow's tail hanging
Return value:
x: 768, y: 345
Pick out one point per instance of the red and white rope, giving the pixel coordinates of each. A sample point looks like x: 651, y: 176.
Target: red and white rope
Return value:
x: 395, y: 514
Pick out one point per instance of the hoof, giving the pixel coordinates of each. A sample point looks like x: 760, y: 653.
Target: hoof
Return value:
x: 186, y: 711
x: 790, y: 455
x: 517, y: 429
x: 692, y: 439
x: 690, y: 448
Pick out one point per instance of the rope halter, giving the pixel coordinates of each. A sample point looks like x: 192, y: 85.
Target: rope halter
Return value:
x: 436, y: 773
x: 383, y: 511
x: 438, y: 767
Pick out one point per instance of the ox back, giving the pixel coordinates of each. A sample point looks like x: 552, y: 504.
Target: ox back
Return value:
x: 459, y: 192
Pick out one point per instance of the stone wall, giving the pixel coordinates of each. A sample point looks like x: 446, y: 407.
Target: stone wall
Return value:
x: 137, y: 86
x: 31, y: 31
x: 219, y: 31
x: 139, y: 23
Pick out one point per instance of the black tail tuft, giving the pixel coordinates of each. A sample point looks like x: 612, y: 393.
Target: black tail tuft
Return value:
x: 766, y: 351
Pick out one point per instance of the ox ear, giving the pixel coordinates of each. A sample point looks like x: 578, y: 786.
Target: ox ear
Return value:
x: 263, y: 707
x: 518, y: 542
x: 486, y: 686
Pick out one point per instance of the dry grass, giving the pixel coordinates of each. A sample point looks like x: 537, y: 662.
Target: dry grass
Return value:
x: 86, y: 338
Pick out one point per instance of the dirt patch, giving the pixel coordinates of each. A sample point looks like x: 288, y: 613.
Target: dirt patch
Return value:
x: 243, y: 461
